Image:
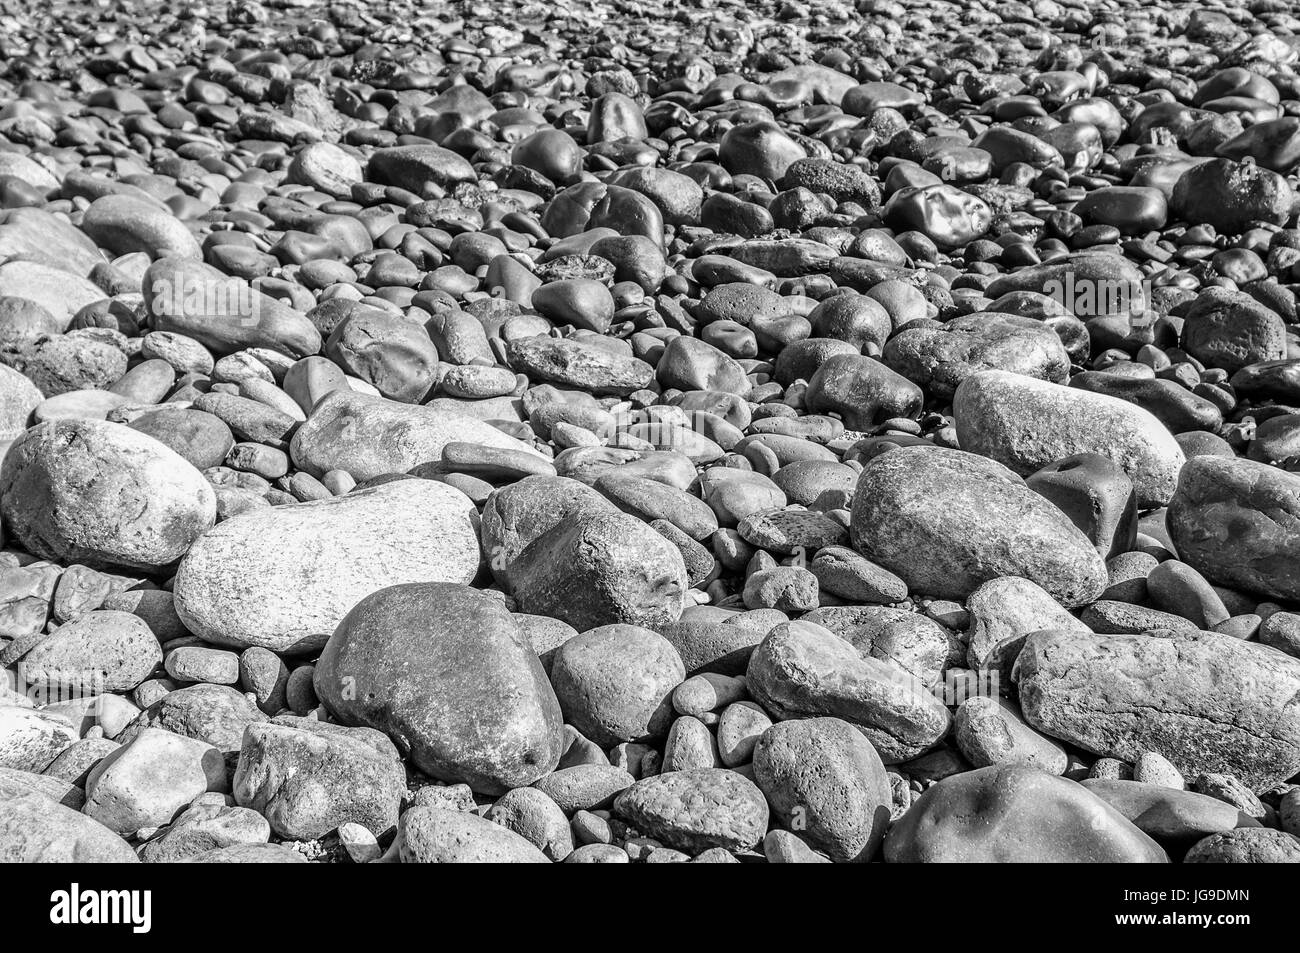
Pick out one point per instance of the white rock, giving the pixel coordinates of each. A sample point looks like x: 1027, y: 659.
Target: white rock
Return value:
x: 30, y: 740
x: 57, y: 291
x: 18, y: 398
x: 97, y: 492
x: 149, y: 780
x: 283, y: 577
x: 368, y: 436
x: 1025, y: 424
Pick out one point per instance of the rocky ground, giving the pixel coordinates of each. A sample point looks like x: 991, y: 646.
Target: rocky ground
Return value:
x: 627, y: 431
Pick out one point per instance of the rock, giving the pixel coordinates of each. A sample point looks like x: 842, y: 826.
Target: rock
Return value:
x: 946, y: 521
x: 990, y: 731
x: 1097, y: 495
x: 1027, y: 424
x: 283, y: 577
x: 801, y: 670
x: 249, y: 854
x: 1246, y: 845
x: 515, y: 515
x: 432, y: 835
x: 1003, y: 612
x: 1207, y: 702
x: 615, y: 683
x: 206, y: 827
x: 214, y: 714
x: 1232, y: 330
x: 102, y: 494
x: 30, y: 740
x: 123, y: 224
x: 940, y: 358
x: 918, y: 645
x: 419, y: 167
x: 572, y: 363
x: 307, y: 778
x: 150, y: 779
x: 114, y: 651
x: 693, y: 811
x: 825, y: 780
x: 18, y: 398
x: 1231, y: 196
x: 532, y: 815
x: 52, y: 288
x: 598, y: 569
x: 446, y: 672
x: 585, y: 787
x: 1231, y: 521
x: 37, y: 830
x: 224, y: 314
x: 1015, y: 814
x: 1168, y: 815
x: 369, y: 436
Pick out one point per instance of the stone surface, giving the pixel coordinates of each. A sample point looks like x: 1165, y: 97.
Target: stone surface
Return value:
x: 446, y: 673
x: 282, y: 578
x: 946, y: 521
x: 1207, y: 702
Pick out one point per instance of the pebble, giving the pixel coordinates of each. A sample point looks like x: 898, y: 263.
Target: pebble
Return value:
x: 456, y: 725
x: 1060, y: 678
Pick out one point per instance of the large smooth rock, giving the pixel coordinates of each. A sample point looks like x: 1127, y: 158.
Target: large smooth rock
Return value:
x: 946, y: 521
x: 223, y: 313
x: 152, y: 778
x: 55, y: 289
x: 123, y: 224
x: 368, y: 436
x: 35, y: 829
x: 1237, y: 522
x: 601, y: 568
x: 34, y: 234
x: 517, y: 514
x: 282, y: 577
x: 825, y: 780
x: 1209, y: 703
x: 446, y: 672
x: 1015, y: 814
x: 801, y: 670
x: 100, y: 493
x: 1026, y: 424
